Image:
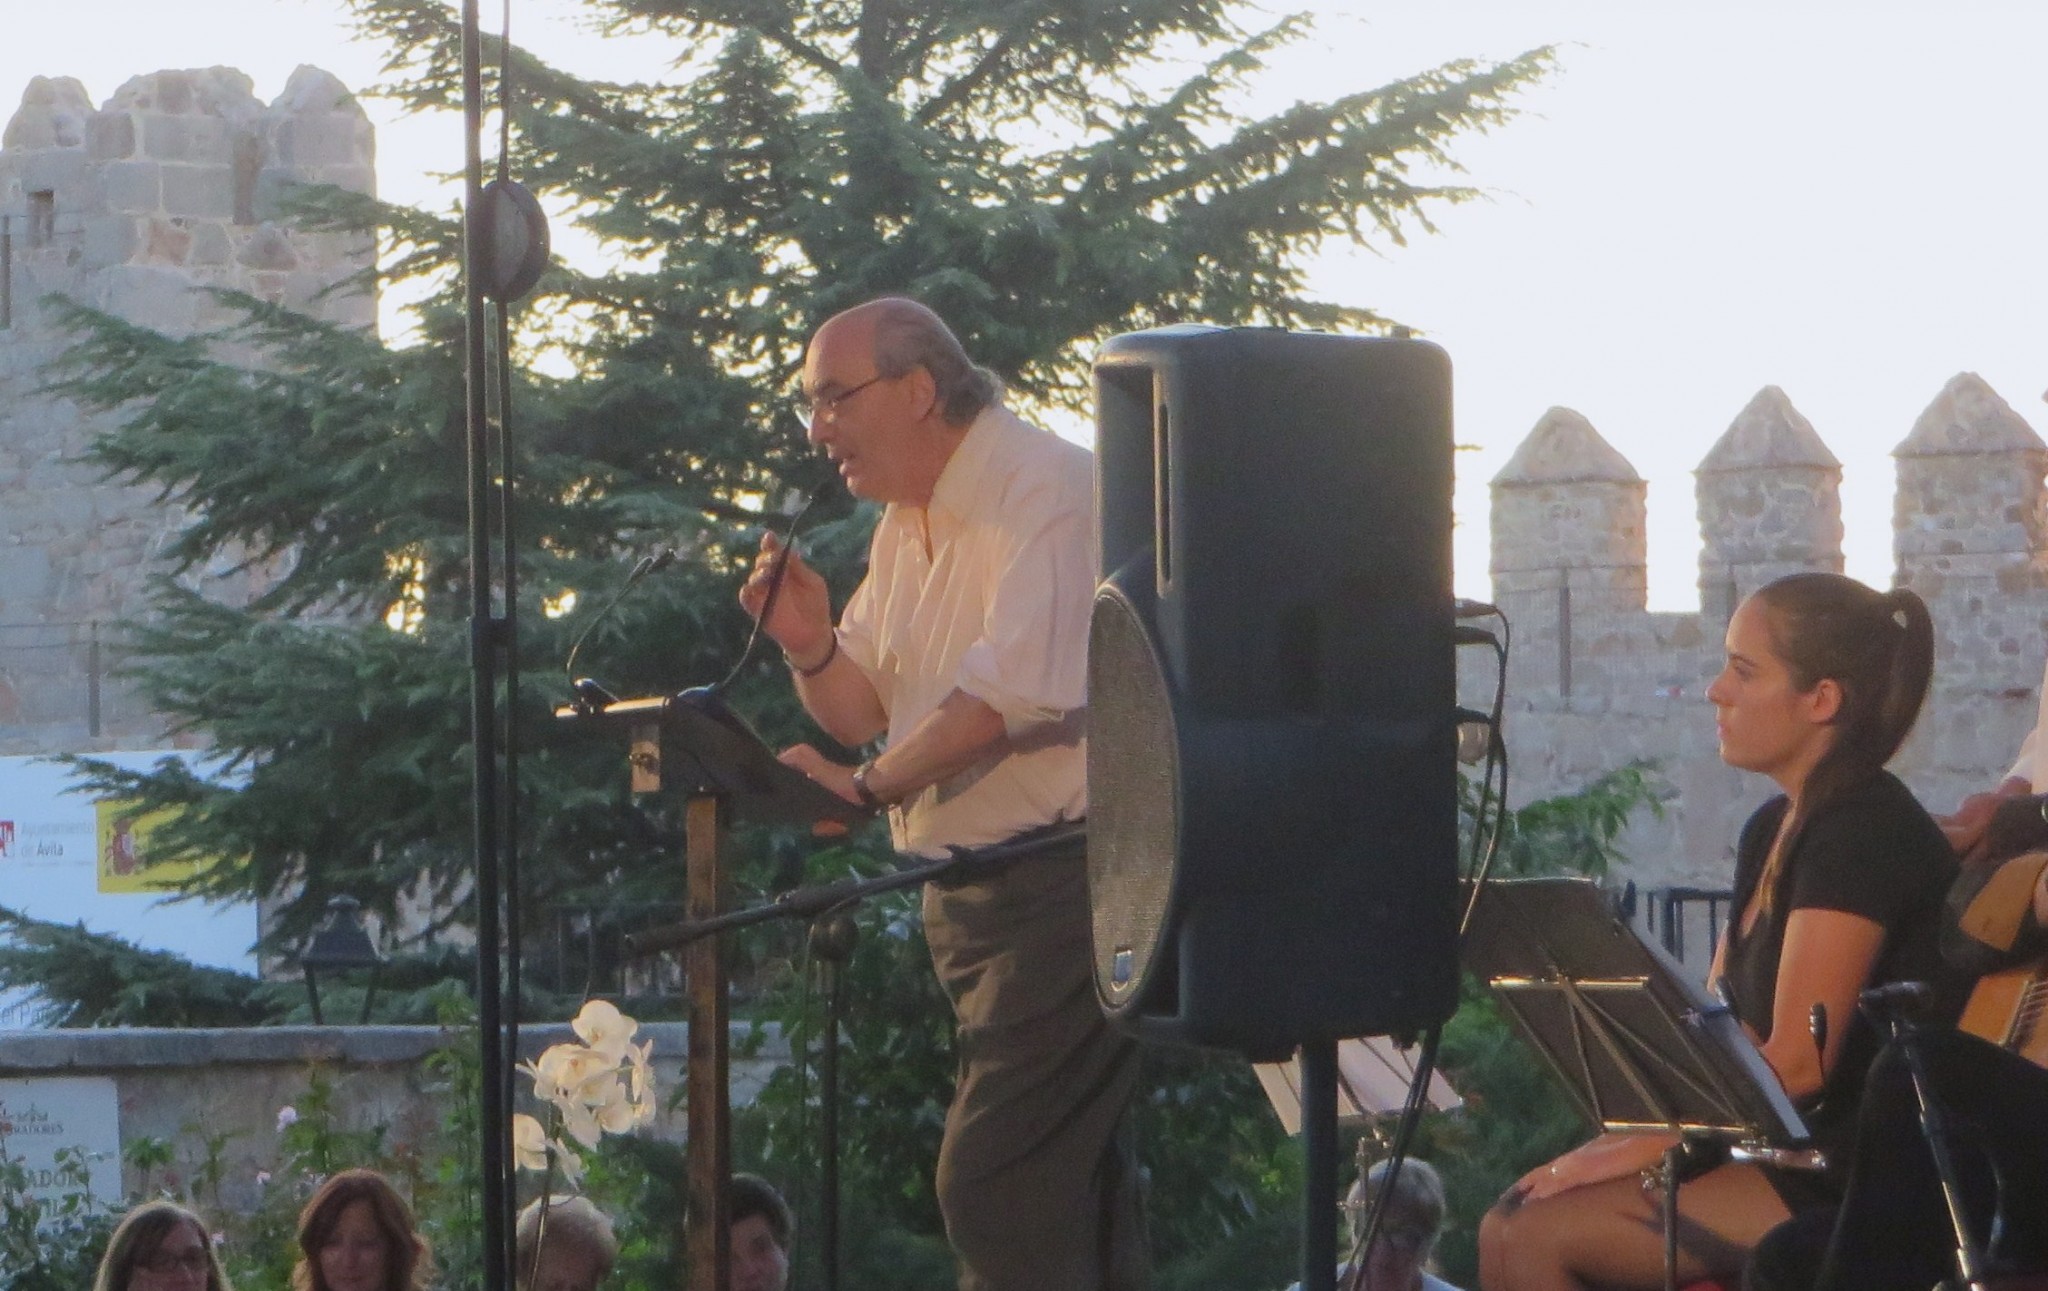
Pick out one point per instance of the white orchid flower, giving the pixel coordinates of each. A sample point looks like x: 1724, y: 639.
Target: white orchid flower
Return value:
x: 529, y: 1143
x: 603, y: 1086
x: 601, y: 1089
x: 618, y: 1116
x: 571, y: 1164
x: 605, y: 1029
x: 563, y: 1068
x: 642, y: 1057
x: 581, y: 1123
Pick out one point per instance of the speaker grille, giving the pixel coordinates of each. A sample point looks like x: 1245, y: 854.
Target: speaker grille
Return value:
x: 1134, y: 798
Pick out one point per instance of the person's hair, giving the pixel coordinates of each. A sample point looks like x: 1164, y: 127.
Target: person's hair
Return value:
x: 571, y: 1221
x: 137, y: 1237
x: 752, y: 1195
x: 409, y: 1262
x: 1878, y: 649
x: 1415, y: 1208
x: 908, y: 335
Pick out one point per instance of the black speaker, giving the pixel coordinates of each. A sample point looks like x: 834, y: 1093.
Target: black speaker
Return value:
x: 1272, y: 834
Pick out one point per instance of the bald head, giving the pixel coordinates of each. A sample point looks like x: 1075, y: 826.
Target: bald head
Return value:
x: 902, y: 336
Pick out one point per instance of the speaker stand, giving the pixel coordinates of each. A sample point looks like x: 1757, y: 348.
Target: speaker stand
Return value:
x: 1319, y: 1146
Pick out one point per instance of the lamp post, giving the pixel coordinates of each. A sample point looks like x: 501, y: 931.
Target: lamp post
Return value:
x: 339, y: 945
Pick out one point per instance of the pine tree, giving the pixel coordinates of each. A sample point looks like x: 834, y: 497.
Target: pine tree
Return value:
x: 1000, y: 160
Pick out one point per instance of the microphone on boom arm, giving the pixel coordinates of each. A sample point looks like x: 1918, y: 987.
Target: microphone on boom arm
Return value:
x: 710, y: 700
x: 591, y: 696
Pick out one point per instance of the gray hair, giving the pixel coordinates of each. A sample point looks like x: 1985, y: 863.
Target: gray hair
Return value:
x: 1415, y: 1210
x: 570, y: 1219
x: 909, y: 335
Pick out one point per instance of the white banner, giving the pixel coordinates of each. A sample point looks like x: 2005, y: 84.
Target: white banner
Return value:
x: 42, y: 1116
x: 65, y: 858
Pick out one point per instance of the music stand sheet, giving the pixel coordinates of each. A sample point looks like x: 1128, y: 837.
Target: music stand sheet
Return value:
x: 702, y: 754
x: 1637, y: 1043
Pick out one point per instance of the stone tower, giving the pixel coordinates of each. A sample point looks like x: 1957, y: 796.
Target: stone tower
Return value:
x: 1970, y: 536
x: 1770, y: 504
x: 1569, y: 546
x: 134, y: 208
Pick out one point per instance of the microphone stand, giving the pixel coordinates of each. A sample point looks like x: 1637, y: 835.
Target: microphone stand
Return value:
x: 1892, y: 1007
x: 832, y: 941
x: 811, y: 902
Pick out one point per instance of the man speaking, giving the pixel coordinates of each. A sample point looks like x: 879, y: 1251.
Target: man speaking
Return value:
x: 965, y: 651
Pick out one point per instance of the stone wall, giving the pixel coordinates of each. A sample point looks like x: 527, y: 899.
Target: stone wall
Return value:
x: 184, y: 1086
x: 136, y: 208
x: 1597, y: 680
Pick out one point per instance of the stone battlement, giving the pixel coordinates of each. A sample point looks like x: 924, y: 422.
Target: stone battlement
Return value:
x: 1597, y: 679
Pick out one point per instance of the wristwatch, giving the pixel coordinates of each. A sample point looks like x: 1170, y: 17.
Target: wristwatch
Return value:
x: 860, y: 787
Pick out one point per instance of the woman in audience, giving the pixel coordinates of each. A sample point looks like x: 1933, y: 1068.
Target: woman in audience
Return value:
x: 1839, y: 883
x: 357, y: 1234
x: 160, y: 1246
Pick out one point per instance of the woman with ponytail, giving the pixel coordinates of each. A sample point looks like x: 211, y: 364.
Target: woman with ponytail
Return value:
x: 1839, y: 884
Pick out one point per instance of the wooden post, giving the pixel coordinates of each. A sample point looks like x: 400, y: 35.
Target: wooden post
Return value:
x: 707, y: 1226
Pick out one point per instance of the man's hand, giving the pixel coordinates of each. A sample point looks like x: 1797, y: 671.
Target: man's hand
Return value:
x: 2016, y: 826
x: 1968, y: 828
x: 837, y: 778
x: 801, y: 622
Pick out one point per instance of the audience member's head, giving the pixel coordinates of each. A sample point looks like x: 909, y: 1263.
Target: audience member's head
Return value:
x: 576, y: 1247
x: 357, y: 1234
x: 160, y: 1246
x: 761, y: 1230
x: 1408, y: 1231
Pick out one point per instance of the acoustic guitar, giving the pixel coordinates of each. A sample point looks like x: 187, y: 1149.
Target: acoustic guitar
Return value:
x: 2008, y: 1007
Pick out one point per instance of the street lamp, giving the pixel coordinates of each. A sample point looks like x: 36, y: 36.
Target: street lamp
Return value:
x: 338, y: 946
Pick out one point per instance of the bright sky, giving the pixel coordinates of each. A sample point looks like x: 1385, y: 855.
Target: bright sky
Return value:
x: 1844, y: 198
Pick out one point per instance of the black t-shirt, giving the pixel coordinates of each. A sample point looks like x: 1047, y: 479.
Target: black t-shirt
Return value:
x: 1873, y: 852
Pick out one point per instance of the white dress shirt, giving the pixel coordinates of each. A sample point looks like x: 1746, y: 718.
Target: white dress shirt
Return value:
x: 2029, y: 765
x: 998, y: 609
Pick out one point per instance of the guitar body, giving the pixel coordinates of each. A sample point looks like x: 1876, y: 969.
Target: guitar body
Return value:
x: 2007, y: 1008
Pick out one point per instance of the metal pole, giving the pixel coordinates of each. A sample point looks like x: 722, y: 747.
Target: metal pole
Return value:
x: 508, y: 645
x: 1319, y: 1145
x: 483, y: 644
x: 1934, y: 1128
x: 832, y: 942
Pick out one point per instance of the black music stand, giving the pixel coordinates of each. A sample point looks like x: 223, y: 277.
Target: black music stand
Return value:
x: 1637, y: 1044
x: 694, y: 743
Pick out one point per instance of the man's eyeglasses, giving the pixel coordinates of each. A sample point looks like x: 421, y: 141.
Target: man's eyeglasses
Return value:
x: 816, y: 408
x: 167, y: 1263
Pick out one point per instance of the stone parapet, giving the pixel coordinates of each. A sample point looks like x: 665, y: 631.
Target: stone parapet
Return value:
x: 186, y: 1086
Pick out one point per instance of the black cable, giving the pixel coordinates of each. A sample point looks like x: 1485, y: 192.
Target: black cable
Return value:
x: 775, y: 576
x: 1479, y: 860
x: 1404, y: 1135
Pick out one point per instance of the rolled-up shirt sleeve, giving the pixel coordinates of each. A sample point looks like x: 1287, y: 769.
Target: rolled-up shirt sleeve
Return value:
x: 1031, y: 662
